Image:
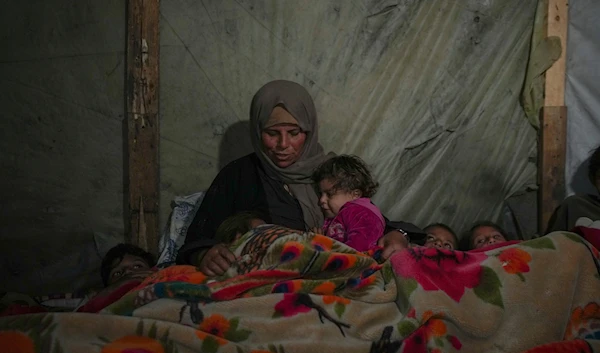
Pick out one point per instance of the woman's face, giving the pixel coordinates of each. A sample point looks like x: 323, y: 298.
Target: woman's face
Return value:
x: 283, y: 143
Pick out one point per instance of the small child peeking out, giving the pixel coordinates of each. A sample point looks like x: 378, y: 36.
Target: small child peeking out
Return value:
x: 238, y: 225
x: 485, y: 233
x: 125, y: 262
x: 440, y: 236
x: 345, y: 186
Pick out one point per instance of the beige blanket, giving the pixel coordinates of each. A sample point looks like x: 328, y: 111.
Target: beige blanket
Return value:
x: 294, y: 292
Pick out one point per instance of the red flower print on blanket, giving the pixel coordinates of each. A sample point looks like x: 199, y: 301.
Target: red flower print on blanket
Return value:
x: 515, y: 261
x: 215, y: 324
x: 291, y: 305
x: 584, y: 322
x: 440, y: 269
x: 322, y: 243
x: 430, y: 336
x: 181, y: 273
x: 16, y: 341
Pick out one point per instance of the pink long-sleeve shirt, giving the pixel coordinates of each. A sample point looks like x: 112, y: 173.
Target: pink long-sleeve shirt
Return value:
x: 359, y: 224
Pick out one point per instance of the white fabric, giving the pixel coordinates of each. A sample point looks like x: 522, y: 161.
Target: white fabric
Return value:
x: 173, y: 237
x: 587, y: 222
x: 427, y: 92
x: 582, y: 95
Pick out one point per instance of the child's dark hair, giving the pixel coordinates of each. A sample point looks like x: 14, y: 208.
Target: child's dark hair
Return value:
x: 118, y: 253
x: 238, y: 223
x: 490, y: 224
x: 445, y: 227
x: 347, y: 173
x: 594, y: 167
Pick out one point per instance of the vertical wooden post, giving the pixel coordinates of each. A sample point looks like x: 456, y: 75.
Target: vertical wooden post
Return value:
x: 142, y: 80
x: 553, y: 129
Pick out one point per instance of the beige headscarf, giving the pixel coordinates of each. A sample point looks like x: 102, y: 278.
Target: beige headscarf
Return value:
x: 297, y: 101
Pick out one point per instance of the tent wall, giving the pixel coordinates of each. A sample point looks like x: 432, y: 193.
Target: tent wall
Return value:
x: 61, y: 136
x: 425, y: 91
x: 582, y: 93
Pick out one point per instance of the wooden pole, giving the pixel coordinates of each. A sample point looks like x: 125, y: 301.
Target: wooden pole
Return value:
x: 142, y: 79
x: 558, y: 15
x: 553, y: 131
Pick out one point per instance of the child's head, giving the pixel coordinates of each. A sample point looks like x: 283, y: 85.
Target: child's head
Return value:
x: 440, y: 236
x: 341, y: 179
x: 486, y: 233
x: 238, y: 224
x: 124, y: 259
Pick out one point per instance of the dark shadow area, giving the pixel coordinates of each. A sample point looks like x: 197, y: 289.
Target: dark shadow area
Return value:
x: 235, y: 143
x: 519, y: 215
x: 126, y: 216
x: 581, y: 183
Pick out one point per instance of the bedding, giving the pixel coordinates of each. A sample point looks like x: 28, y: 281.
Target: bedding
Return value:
x: 295, y: 292
x: 173, y: 237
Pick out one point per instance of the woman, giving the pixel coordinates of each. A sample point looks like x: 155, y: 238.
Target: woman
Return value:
x: 274, y: 180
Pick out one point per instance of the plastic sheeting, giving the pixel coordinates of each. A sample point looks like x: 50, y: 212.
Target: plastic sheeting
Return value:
x: 582, y: 92
x: 427, y: 92
x: 62, y: 69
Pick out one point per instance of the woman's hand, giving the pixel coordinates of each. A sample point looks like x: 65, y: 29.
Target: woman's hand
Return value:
x: 217, y: 260
x: 317, y: 230
x: 392, y: 242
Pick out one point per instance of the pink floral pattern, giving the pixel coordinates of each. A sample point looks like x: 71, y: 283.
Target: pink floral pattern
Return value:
x: 436, y: 269
x: 290, y: 305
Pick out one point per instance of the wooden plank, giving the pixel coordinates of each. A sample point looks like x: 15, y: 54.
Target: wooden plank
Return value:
x: 553, y: 131
x: 142, y: 79
x: 557, y: 24
x: 552, y: 162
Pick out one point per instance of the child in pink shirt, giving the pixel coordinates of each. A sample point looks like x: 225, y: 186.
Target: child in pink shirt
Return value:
x: 345, y: 186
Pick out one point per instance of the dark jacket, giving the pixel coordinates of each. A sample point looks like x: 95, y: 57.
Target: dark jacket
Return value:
x: 241, y: 186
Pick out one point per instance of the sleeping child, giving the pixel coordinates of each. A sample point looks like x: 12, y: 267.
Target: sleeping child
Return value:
x: 238, y: 225
x: 123, y: 268
x: 345, y: 186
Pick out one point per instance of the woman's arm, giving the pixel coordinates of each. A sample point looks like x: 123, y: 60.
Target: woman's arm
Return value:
x: 218, y: 204
x: 236, y: 188
x: 392, y: 242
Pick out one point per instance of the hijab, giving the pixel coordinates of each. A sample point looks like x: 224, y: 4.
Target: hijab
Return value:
x: 297, y: 101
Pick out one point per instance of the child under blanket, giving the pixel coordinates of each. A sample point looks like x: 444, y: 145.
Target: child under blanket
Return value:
x: 346, y: 185
x: 440, y: 236
x: 484, y: 234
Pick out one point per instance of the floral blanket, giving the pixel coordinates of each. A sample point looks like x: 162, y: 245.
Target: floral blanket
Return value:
x: 298, y: 292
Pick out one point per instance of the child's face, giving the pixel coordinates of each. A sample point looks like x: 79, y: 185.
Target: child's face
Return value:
x: 484, y: 236
x: 255, y: 222
x: 128, y: 265
x: 331, y: 201
x: 438, y: 237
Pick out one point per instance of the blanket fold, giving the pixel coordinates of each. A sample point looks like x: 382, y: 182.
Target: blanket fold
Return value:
x: 303, y: 292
